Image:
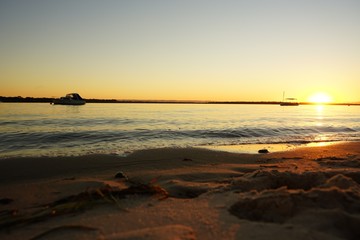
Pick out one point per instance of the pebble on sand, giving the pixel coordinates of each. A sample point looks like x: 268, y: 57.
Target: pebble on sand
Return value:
x: 263, y: 151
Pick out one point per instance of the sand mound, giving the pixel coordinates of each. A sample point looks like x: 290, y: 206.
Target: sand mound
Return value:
x: 288, y: 197
x: 281, y: 204
x: 342, y: 182
x: 273, y: 179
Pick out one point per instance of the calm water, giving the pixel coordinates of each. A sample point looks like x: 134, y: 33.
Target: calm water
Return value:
x: 41, y: 129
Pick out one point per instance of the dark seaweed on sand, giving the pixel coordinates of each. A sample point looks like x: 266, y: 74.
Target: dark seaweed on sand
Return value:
x: 79, y: 202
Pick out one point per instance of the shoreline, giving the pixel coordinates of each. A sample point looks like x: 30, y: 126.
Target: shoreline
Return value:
x: 65, y: 164
x: 188, y: 193
x: 253, y: 148
x: 243, y: 148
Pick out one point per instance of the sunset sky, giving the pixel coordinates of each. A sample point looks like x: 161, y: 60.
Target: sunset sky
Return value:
x: 182, y: 50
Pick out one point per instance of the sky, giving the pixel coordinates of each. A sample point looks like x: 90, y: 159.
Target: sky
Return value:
x: 181, y: 50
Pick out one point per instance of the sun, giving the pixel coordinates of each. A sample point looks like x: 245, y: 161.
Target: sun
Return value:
x: 320, y: 98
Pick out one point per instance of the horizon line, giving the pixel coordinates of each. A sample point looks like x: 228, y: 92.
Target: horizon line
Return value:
x: 100, y: 100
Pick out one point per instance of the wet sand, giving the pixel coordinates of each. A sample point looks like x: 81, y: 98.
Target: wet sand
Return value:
x: 306, y: 193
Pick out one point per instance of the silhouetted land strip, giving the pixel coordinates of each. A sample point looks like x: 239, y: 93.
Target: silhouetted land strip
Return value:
x: 20, y: 99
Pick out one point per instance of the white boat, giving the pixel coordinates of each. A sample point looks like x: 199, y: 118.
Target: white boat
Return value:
x: 70, y: 99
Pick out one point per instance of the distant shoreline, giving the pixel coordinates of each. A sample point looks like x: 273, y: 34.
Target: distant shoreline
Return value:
x: 49, y: 100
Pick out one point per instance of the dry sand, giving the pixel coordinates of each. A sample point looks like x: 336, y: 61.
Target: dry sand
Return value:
x: 307, y: 193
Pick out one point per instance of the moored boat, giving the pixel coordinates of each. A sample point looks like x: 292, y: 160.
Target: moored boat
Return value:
x: 70, y: 99
x: 289, y: 101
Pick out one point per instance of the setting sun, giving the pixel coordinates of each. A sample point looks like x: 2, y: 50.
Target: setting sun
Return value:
x: 320, y: 98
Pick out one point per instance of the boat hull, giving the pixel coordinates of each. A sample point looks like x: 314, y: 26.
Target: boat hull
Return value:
x: 68, y: 102
x: 289, y: 104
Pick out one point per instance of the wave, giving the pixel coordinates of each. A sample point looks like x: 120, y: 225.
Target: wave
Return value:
x: 207, y: 136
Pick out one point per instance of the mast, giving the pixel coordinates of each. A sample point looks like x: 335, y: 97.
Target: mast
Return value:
x: 283, y: 96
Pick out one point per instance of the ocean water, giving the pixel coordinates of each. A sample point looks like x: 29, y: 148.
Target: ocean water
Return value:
x: 40, y: 129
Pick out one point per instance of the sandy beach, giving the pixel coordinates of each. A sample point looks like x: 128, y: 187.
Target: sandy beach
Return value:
x: 306, y: 193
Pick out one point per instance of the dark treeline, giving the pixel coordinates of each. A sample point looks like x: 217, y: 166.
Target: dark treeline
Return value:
x: 26, y: 99
x: 49, y: 100
x: 20, y: 99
